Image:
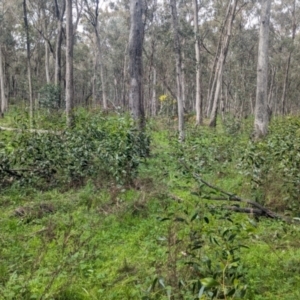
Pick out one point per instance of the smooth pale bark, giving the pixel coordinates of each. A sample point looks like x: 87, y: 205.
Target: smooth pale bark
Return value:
x: 220, y: 64
x: 47, y: 63
x: 153, y: 98
x: 124, y: 83
x: 94, y: 81
x: 2, y: 85
x: 59, y: 39
x: 261, y: 105
x: 183, y: 80
x: 287, y: 70
x: 136, y: 39
x: 92, y: 16
x: 69, y: 64
x: 213, y: 75
x: 177, y: 50
x: 199, y: 119
x: 28, y: 62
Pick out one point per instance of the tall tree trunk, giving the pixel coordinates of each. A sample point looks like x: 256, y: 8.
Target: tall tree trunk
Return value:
x: 59, y: 38
x: 177, y: 50
x: 69, y: 65
x: 101, y: 67
x: 213, y: 75
x: 124, y: 81
x: 153, y: 100
x: 28, y: 62
x: 94, y: 80
x: 199, y: 113
x: 2, y: 85
x: 261, y: 105
x: 286, y: 79
x: 136, y: 39
x: 183, y: 80
x: 47, y: 63
x: 220, y: 65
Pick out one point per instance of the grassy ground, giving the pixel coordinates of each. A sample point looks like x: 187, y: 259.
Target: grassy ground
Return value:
x: 109, y: 242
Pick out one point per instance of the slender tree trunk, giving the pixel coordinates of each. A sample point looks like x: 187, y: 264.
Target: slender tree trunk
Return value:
x: 47, y: 63
x: 136, y: 38
x: 2, y: 85
x: 153, y: 100
x: 69, y: 65
x: 59, y: 38
x: 124, y: 80
x: 220, y: 65
x: 183, y: 80
x: 199, y: 113
x: 177, y: 50
x: 28, y: 63
x: 261, y: 106
x: 94, y: 81
x: 286, y: 78
x: 214, y: 70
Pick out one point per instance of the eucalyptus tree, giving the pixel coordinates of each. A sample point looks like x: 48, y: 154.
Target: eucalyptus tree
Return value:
x: 69, y: 64
x: 92, y: 14
x: 136, y: 39
x: 60, y: 8
x: 4, y: 103
x: 199, y: 104
x: 292, y: 35
x: 220, y: 61
x: 28, y: 50
x: 178, y: 58
x: 262, y: 113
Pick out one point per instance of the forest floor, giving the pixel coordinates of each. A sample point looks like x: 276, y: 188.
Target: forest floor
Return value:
x: 117, y: 242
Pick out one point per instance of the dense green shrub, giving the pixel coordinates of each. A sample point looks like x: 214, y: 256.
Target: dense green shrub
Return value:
x: 204, y: 257
x: 273, y: 164
x: 108, y: 148
x: 50, y: 96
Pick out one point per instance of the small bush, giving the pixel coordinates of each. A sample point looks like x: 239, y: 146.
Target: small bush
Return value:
x: 109, y: 148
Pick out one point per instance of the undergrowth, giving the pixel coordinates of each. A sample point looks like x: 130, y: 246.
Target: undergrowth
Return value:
x: 109, y: 224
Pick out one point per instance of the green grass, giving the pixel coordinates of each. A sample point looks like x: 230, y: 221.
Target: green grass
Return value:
x: 109, y: 243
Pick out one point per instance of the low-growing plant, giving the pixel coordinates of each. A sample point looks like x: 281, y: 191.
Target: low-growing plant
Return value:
x: 204, y: 257
x: 108, y: 147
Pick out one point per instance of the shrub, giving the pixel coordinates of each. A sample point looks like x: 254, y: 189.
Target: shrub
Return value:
x: 97, y: 146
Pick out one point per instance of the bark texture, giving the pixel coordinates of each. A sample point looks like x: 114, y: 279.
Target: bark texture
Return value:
x: 136, y: 38
x: 177, y: 50
x: 261, y: 106
x: 28, y: 62
x: 69, y: 64
x: 199, y: 105
x: 221, y: 62
x: 2, y: 85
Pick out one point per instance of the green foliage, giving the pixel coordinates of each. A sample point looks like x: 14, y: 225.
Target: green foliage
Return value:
x: 273, y: 164
x: 157, y: 238
x: 50, y: 96
x: 108, y: 148
x: 204, y: 257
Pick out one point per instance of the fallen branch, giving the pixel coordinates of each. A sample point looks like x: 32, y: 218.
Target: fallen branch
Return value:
x: 30, y: 130
x: 247, y: 210
x: 232, y: 197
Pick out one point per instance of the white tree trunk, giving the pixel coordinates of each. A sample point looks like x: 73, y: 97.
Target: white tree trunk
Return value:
x: 177, y: 50
x: 153, y: 100
x: 69, y: 64
x: 2, y: 85
x: 28, y: 63
x: 221, y: 62
x: 261, y: 105
x: 198, y: 66
x: 47, y: 63
x: 136, y: 38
